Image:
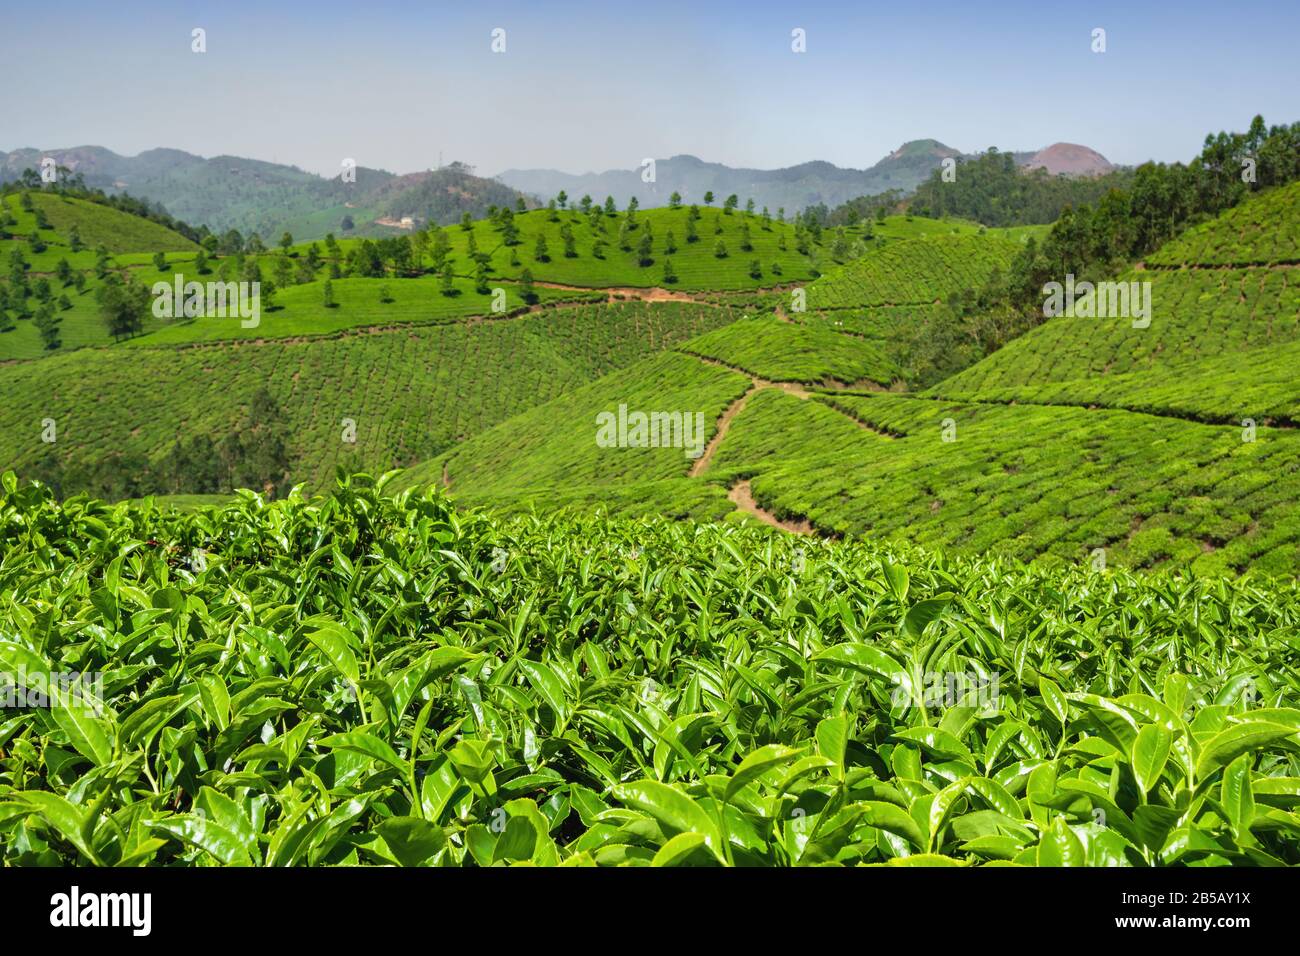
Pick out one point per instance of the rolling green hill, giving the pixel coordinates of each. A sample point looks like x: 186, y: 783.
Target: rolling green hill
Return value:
x: 1218, y: 337
x: 1084, y: 436
x: 1012, y: 456
x: 1263, y: 231
x: 411, y: 392
x: 919, y: 271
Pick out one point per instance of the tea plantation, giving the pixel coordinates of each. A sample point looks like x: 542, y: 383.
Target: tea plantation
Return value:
x: 398, y: 683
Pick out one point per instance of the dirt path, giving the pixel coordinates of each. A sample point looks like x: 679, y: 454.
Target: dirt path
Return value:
x: 743, y: 498
x: 720, y: 432
x: 652, y: 294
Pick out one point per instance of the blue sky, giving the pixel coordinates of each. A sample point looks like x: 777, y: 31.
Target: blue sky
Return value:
x: 589, y: 85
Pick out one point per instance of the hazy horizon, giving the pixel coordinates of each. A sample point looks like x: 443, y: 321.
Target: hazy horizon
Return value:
x: 586, y: 88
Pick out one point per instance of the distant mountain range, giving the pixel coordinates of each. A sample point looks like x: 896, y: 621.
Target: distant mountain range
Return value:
x: 794, y: 187
x: 230, y: 192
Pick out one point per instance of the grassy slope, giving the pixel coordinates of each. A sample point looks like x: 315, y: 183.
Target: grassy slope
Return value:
x: 412, y: 392
x: 786, y: 352
x: 912, y: 272
x: 696, y: 265
x: 100, y: 225
x: 300, y: 310
x: 1034, y: 480
x: 1264, y: 230
x: 1025, y: 481
x: 1216, y: 347
x: 554, y: 445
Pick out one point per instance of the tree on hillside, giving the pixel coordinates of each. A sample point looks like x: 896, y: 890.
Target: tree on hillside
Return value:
x: 520, y: 205
x: 755, y: 269
x: 419, y: 246
x: 562, y: 199
x: 447, y: 286
x: 509, y: 230
x: 526, y: 290
x: 123, y: 306
x: 670, y: 243
x: 720, y: 249
x: 481, y: 278
x: 47, y: 323
x: 730, y: 204
x: 708, y: 198
x: 254, y: 245
x: 466, y: 222
x: 675, y: 200
x: 691, y: 235
x: 232, y: 243
x: 645, y: 250
x: 439, y: 249
x: 201, y: 262
x: 551, y: 214
x: 625, y: 236
x: 160, y: 261
x: 539, y: 250
x: 570, y: 245
x: 610, y: 208
x: 598, y: 249
x: 746, y: 243
x: 670, y: 276
x: 36, y: 242
x: 585, y: 204
x: 74, y: 238
x: 63, y: 272
x: 327, y: 295
x: 346, y: 223
x: 286, y: 241
x: 283, y: 271
x: 749, y: 206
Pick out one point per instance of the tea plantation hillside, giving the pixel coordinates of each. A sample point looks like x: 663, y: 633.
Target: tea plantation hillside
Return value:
x: 1263, y: 231
x: 1051, y: 483
x: 398, y: 683
x: 1087, y: 440
x: 913, y: 272
x: 373, y: 399
x: 1214, y: 322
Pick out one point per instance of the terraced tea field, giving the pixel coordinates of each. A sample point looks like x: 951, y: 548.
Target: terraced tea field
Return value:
x: 1264, y: 231
x: 913, y: 272
x: 410, y: 392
